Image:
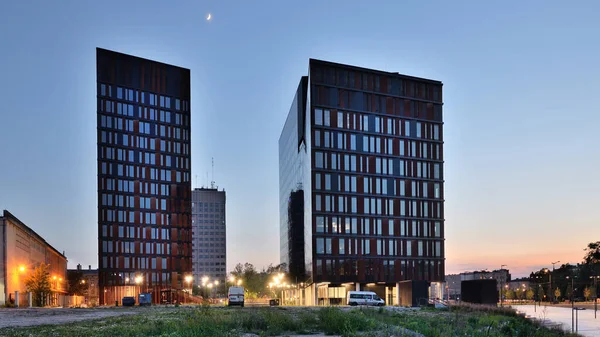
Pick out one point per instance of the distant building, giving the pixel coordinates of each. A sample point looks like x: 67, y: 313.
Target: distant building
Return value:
x: 518, y: 284
x: 144, y: 186
x: 453, y: 281
x: 21, y: 251
x: 209, y: 252
x: 361, y: 182
x: 90, y: 281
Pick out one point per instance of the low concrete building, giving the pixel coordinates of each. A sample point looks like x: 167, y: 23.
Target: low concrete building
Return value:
x: 21, y: 251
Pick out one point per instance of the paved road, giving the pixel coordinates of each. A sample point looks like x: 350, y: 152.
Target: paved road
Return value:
x: 587, y: 324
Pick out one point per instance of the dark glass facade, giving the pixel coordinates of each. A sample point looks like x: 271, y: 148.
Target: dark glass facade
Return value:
x: 292, y: 205
x: 144, y: 190
x: 371, y: 158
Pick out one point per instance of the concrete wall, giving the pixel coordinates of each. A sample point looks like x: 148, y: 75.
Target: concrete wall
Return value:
x: 22, y: 251
x: 3, y: 293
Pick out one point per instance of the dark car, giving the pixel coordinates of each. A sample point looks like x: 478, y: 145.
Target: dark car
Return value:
x: 128, y: 301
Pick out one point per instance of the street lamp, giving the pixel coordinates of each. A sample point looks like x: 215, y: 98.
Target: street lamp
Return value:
x: 572, y: 304
x: 188, y: 279
x: 595, y: 294
x: 501, y: 285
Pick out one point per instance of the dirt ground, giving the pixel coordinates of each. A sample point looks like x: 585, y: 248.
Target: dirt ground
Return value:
x: 41, y: 316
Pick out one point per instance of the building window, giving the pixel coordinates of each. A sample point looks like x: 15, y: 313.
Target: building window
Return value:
x: 320, y: 226
x: 319, y: 159
x: 320, y: 246
x: 318, y: 117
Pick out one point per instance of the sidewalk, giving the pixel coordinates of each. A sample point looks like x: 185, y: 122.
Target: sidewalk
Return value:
x: 587, y: 325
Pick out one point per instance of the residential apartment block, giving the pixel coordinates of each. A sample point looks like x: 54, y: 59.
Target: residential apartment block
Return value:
x: 209, y: 253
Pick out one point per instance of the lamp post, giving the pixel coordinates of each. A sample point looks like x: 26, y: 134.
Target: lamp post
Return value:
x: 595, y: 294
x: 188, y: 279
x: 501, y: 285
x: 572, y: 304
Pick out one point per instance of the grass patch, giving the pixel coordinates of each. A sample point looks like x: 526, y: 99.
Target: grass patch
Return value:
x: 347, y: 322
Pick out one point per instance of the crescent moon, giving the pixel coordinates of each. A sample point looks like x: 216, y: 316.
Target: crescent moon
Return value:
x: 208, y: 17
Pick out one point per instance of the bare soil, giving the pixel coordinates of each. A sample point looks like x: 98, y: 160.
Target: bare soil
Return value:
x: 43, y: 316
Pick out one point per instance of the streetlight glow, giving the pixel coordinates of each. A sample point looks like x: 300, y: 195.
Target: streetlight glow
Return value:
x: 22, y: 268
x: 239, y: 282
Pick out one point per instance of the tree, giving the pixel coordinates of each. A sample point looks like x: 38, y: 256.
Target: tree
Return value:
x: 529, y: 294
x: 77, y: 284
x: 196, y: 290
x: 557, y: 293
x: 510, y: 294
x: 587, y: 293
x: 38, y: 283
x: 592, y: 253
x: 518, y: 293
x: 541, y: 294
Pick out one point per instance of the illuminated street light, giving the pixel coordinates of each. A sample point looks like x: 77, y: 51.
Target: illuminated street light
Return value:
x: 139, y: 279
x: 204, y: 280
x: 239, y: 282
x: 22, y: 269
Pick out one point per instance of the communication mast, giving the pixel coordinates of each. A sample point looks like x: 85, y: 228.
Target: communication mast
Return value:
x: 212, y: 182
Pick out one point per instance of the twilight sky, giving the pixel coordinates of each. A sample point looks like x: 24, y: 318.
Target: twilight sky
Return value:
x: 522, y: 147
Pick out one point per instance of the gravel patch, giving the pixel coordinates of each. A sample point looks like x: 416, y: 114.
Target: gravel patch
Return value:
x: 43, y: 316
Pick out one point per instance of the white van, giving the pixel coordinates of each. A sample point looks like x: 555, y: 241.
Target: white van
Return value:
x: 364, y: 298
x: 235, y: 296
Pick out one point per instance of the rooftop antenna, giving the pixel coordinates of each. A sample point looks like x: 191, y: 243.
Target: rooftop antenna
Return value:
x: 212, y: 182
x: 196, y: 181
x: 206, y: 179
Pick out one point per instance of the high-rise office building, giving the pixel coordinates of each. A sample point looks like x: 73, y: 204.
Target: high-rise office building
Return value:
x: 209, y: 253
x: 361, y: 182
x: 144, y: 189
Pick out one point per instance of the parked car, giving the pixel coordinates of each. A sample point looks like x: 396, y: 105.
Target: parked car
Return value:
x: 364, y: 298
x: 235, y: 296
x: 128, y: 301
